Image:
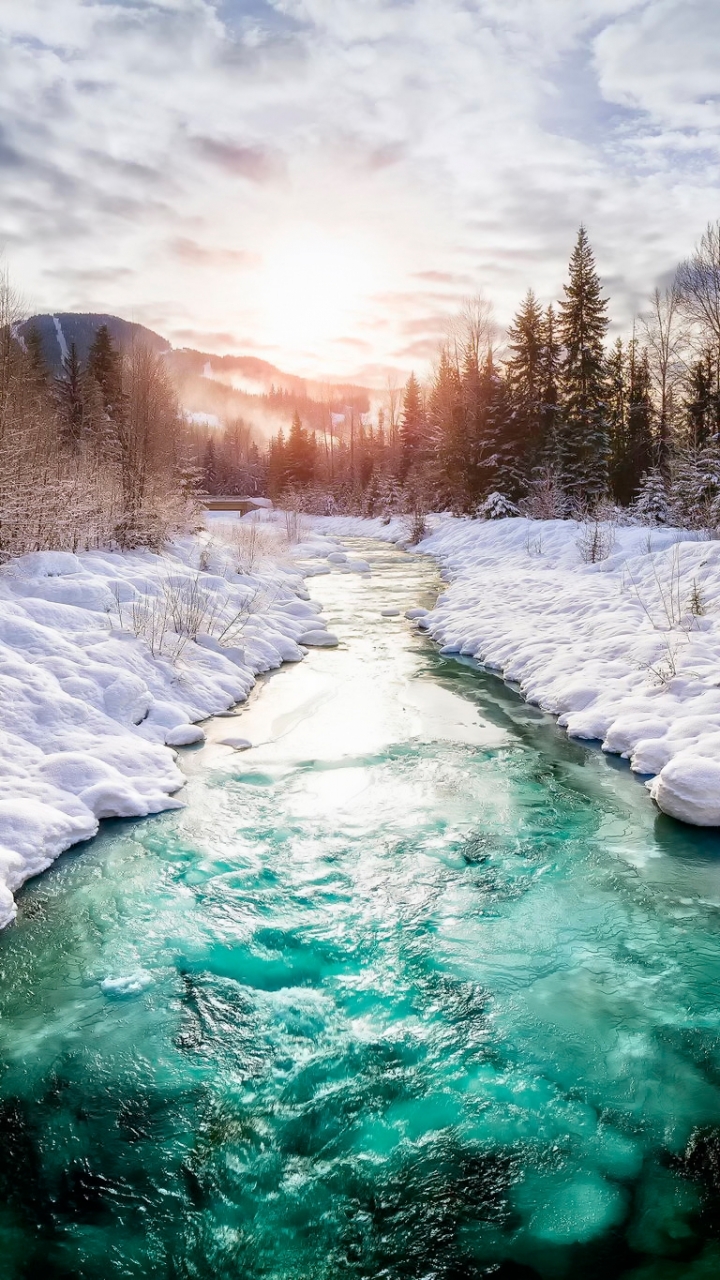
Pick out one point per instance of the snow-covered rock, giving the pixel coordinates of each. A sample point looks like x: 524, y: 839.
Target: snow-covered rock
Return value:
x: 318, y: 640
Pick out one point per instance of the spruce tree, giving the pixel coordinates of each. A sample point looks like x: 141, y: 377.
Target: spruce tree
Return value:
x: 105, y: 366
x: 617, y: 392
x: 39, y: 372
x: 447, y: 427
x: 525, y: 372
x: 299, y: 453
x: 70, y: 395
x: 584, y: 433
x: 639, y: 450
x: 210, y: 468
x: 702, y: 403
x: 412, y: 425
x: 548, y: 454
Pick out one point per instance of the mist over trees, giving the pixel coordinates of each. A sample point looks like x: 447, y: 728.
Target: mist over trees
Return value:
x: 550, y: 418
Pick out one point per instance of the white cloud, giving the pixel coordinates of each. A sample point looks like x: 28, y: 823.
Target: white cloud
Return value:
x: 461, y: 137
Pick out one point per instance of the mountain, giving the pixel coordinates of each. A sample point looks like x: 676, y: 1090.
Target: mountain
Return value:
x: 59, y: 331
x: 208, y: 386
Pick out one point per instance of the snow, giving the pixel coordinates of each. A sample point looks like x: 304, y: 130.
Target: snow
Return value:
x: 93, y: 699
x: 64, y: 350
x: 625, y: 651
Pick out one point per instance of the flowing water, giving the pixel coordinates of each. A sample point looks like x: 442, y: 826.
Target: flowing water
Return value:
x: 416, y: 988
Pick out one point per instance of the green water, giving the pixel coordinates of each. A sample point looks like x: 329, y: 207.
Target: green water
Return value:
x: 416, y: 989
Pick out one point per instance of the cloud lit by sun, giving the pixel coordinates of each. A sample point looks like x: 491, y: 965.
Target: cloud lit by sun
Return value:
x: 313, y: 287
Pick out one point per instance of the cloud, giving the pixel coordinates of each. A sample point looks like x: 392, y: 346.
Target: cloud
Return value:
x: 165, y: 147
x: 252, y: 163
x: 190, y: 252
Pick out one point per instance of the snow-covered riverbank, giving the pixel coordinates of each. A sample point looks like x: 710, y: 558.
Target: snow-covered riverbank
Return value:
x: 100, y: 678
x: 625, y: 650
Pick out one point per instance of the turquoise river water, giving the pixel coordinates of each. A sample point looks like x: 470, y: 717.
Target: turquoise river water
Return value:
x: 414, y: 989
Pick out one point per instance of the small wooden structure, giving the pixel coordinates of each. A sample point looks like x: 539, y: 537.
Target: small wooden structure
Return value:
x: 232, y: 502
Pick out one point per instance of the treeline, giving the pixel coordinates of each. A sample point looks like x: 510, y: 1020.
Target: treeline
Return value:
x: 95, y: 456
x: 554, y: 421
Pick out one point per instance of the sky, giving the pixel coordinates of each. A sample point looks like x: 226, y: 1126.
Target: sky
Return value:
x: 321, y: 183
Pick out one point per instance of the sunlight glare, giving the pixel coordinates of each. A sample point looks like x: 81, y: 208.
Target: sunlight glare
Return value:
x: 313, y: 286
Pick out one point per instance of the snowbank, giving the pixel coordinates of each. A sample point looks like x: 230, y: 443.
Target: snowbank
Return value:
x: 625, y: 650
x: 99, y: 680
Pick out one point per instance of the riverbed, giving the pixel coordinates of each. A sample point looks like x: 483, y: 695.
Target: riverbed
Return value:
x: 414, y: 988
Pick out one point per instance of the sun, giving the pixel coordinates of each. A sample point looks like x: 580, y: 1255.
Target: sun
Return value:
x: 313, y: 287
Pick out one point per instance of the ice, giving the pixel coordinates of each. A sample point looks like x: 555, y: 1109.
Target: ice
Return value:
x: 237, y: 743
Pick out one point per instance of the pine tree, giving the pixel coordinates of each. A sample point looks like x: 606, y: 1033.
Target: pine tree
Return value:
x: 702, y: 404
x: 617, y: 396
x: 639, y: 450
x: 526, y: 376
x: 412, y: 425
x: 652, y: 506
x: 447, y: 428
x: 70, y: 394
x: 299, y: 454
x: 584, y: 432
x: 549, y: 452
x: 105, y: 366
x: 498, y: 461
x: 39, y: 372
x: 210, y: 468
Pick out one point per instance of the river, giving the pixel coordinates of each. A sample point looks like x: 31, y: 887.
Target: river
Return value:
x: 416, y: 988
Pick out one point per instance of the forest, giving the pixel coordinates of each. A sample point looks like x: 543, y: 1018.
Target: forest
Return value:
x: 548, y: 419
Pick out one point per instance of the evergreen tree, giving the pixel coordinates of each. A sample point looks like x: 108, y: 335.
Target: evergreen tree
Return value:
x: 497, y: 458
x: 639, y: 451
x: 702, y: 404
x: 447, y: 428
x: 412, y: 425
x: 299, y: 454
x: 584, y: 443
x: 39, y: 372
x: 651, y: 505
x: 210, y: 468
x: 526, y: 376
x: 617, y: 393
x: 548, y: 454
x: 70, y: 394
x: 105, y: 366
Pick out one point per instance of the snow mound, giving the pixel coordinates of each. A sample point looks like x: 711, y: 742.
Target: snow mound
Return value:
x: 100, y: 677
x: 319, y: 640
x: 624, y: 651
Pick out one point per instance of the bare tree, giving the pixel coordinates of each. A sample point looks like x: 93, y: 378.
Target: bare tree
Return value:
x: 471, y: 334
x: 698, y: 284
x: 666, y: 338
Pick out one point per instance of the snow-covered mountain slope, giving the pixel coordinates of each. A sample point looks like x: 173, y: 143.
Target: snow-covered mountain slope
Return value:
x: 625, y: 650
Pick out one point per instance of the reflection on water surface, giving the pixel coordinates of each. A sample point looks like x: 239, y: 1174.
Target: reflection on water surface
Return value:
x: 416, y: 988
